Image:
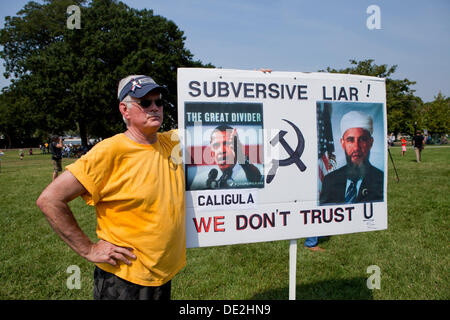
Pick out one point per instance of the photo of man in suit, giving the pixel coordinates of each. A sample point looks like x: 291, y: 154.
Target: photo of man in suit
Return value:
x: 358, y: 181
x: 233, y: 164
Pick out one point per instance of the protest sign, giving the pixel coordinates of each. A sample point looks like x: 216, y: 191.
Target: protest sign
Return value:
x: 265, y: 158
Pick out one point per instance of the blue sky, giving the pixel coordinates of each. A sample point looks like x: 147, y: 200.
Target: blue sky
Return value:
x: 294, y: 35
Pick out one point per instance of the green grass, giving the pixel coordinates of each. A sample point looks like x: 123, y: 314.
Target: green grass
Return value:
x: 412, y: 254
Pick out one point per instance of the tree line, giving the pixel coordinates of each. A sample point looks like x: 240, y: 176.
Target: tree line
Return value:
x: 65, y: 80
x: 406, y: 112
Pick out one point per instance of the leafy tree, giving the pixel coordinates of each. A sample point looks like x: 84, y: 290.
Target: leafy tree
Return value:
x: 401, y: 104
x: 71, y: 76
x: 17, y: 116
x: 436, y: 115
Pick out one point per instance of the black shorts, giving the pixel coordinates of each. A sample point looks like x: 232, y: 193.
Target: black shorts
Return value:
x: 108, y: 286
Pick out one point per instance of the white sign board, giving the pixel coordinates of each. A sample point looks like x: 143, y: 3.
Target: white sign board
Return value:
x: 265, y: 158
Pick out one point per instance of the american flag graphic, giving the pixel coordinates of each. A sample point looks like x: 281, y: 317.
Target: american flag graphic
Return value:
x: 135, y: 84
x: 327, y: 159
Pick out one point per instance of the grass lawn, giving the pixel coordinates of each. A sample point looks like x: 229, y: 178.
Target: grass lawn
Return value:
x: 412, y: 254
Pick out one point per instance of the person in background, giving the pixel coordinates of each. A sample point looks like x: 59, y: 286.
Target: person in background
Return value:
x: 418, y: 143
x: 391, y: 139
x: 403, y: 146
x: 312, y: 244
x: 56, y: 146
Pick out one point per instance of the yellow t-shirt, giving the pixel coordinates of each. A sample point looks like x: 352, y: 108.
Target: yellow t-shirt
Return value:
x: 138, y: 192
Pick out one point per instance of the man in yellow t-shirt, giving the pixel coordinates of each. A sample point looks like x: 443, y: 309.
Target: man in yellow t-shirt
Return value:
x: 136, y: 183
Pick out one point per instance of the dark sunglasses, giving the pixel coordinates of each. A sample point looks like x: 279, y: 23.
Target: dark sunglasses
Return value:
x: 148, y: 102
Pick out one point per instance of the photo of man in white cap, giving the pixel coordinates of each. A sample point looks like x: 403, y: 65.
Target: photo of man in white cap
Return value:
x: 357, y: 181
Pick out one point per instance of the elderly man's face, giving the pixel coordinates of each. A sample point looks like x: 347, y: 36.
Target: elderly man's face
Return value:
x: 223, y: 149
x: 357, y: 143
x: 150, y: 117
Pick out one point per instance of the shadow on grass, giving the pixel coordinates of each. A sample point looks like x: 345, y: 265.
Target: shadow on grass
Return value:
x: 342, y: 289
x: 323, y: 239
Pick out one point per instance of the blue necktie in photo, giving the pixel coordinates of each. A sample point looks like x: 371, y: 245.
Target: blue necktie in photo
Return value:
x: 350, y: 195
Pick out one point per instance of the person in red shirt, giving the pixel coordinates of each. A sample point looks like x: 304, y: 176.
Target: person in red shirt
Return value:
x: 403, y: 146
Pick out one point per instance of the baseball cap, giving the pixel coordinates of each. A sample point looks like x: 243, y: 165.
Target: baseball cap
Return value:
x: 138, y: 86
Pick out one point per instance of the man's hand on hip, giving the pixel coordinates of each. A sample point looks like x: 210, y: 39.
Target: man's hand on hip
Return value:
x: 106, y: 252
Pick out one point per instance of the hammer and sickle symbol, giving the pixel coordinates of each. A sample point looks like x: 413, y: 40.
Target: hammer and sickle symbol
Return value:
x: 294, y: 156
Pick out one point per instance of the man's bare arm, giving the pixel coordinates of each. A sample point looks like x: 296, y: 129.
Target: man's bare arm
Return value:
x: 53, y: 202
